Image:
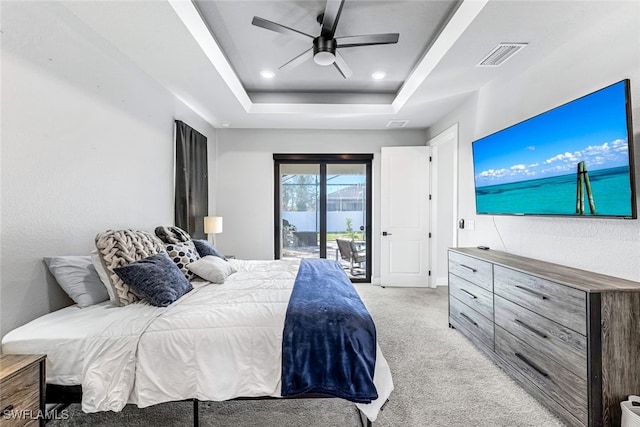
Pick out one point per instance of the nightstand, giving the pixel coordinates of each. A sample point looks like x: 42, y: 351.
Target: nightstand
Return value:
x: 22, y: 390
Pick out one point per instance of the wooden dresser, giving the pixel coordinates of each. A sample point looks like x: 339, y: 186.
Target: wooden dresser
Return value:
x: 22, y: 388
x: 570, y: 337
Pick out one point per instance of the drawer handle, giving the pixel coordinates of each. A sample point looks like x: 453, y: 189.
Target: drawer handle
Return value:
x: 539, y: 295
x: 473, y: 270
x: 532, y: 365
x: 531, y: 328
x: 468, y: 319
x: 7, y: 410
x: 469, y: 293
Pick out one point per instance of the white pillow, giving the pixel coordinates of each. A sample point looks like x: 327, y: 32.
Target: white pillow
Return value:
x: 212, y: 268
x: 79, y: 279
x: 102, y: 273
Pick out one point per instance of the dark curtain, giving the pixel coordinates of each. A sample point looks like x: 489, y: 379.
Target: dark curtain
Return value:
x: 192, y: 183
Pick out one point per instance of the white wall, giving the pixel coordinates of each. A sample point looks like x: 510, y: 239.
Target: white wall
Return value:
x: 244, y: 193
x: 87, y: 145
x: 607, y: 53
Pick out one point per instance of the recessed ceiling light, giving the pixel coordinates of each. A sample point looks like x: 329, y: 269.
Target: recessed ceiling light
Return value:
x: 267, y: 74
x: 225, y: 124
x: 379, y: 75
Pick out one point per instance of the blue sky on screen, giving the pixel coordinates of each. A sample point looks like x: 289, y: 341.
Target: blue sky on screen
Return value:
x: 592, y: 128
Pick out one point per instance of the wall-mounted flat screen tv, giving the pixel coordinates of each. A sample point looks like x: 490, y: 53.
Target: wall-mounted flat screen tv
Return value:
x: 573, y: 160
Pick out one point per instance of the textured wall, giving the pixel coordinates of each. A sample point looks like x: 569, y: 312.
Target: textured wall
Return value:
x: 87, y: 145
x: 607, y: 53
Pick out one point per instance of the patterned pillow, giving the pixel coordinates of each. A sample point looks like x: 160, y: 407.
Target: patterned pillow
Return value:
x: 183, y: 254
x: 172, y: 234
x: 120, y: 248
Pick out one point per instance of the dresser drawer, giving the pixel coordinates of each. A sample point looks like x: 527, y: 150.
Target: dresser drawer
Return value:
x: 474, y: 322
x: 559, y: 303
x: 562, y: 385
x: 20, y: 395
x: 472, y: 269
x: 566, y: 347
x: 472, y: 295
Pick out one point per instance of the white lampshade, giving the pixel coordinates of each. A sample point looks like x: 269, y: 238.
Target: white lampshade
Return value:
x: 212, y: 224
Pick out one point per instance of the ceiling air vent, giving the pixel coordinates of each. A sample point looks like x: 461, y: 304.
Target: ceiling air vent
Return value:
x: 397, y: 123
x: 500, y: 54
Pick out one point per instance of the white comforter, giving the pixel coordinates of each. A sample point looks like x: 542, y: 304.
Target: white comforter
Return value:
x: 216, y: 343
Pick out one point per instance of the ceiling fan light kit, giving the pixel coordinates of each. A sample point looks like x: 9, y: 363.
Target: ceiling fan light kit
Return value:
x: 324, y: 50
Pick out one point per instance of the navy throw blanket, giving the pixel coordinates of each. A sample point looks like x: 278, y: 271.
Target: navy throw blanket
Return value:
x: 329, y: 339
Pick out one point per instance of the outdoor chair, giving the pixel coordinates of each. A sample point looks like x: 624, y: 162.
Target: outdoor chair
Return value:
x: 349, y: 252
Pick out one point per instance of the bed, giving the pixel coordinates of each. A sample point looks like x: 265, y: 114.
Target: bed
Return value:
x: 216, y: 343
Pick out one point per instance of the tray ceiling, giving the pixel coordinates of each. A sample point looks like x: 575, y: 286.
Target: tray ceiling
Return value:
x: 250, y: 49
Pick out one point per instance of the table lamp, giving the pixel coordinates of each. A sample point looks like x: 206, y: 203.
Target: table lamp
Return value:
x: 212, y: 226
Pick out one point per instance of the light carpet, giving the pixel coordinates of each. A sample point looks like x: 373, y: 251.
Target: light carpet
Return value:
x: 440, y: 380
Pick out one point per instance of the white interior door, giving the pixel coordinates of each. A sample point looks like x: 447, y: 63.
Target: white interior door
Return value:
x: 404, y: 219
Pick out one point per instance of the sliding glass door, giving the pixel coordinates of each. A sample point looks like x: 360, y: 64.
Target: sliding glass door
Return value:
x: 300, y: 210
x: 347, y: 215
x: 323, y: 209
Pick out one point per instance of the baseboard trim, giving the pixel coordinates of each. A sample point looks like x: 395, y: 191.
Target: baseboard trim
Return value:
x: 442, y: 281
x: 434, y: 283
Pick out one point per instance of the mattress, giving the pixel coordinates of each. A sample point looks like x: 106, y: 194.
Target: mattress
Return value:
x: 61, y: 335
x: 216, y: 343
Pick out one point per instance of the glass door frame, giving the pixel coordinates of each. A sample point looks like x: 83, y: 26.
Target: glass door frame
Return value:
x: 322, y: 160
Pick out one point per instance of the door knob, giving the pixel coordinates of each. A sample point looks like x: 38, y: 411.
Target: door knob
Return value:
x: 384, y: 233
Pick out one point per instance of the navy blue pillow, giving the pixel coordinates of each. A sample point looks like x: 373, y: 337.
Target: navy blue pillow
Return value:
x: 205, y: 248
x: 156, y: 279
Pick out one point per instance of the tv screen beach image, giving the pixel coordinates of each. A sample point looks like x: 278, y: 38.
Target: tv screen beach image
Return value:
x: 572, y: 160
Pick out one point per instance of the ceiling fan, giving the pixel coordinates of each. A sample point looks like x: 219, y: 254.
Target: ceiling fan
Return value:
x: 325, y: 46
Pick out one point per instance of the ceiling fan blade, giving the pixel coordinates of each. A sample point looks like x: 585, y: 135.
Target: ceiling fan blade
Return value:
x: 331, y: 15
x: 278, y: 28
x: 307, y: 54
x: 342, y: 66
x: 368, y: 40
